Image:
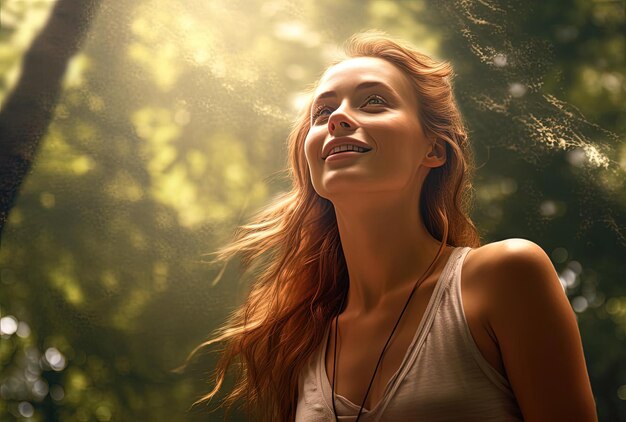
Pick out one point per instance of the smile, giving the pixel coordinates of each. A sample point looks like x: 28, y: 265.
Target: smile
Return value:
x: 347, y: 148
x: 344, y: 155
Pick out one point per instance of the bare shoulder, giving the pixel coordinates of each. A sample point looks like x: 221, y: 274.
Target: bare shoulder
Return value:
x: 494, y: 267
x: 491, y: 271
x: 514, y: 274
x: 536, y: 329
x: 499, y: 256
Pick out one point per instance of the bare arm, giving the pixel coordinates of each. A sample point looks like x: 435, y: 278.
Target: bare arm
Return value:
x: 538, y: 335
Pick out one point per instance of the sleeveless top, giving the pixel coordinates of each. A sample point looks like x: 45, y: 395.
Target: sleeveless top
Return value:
x: 443, y: 376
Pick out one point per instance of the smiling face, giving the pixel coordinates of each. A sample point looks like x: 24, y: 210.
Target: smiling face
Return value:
x: 371, y: 101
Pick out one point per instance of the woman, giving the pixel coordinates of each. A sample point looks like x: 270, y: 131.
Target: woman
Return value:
x: 378, y: 302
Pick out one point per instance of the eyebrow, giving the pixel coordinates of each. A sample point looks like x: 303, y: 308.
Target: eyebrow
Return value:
x: 362, y: 85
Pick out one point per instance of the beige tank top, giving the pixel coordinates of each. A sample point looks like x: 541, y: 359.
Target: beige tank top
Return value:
x: 443, y: 376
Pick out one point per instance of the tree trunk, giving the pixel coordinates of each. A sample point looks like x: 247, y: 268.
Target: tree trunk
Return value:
x: 27, y: 111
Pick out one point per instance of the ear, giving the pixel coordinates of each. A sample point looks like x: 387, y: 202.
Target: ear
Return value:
x: 436, y: 155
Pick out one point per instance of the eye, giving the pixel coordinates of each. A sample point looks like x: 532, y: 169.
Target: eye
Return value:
x: 318, y: 111
x: 376, y: 98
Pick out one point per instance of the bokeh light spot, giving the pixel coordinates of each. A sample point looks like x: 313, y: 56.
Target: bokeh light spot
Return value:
x: 499, y: 60
x: 23, y: 329
x: 103, y: 413
x: 8, y: 325
x: 55, y: 359
x: 26, y: 409
x: 580, y: 304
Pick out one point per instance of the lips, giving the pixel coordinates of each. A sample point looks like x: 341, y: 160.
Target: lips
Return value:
x: 343, y: 142
x: 349, y: 148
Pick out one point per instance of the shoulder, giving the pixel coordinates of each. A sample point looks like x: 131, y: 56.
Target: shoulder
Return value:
x: 516, y: 274
x: 507, y: 277
x: 509, y: 267
x: 536, y: 330
x: 506, y: 254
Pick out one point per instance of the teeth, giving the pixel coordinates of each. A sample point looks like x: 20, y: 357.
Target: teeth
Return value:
x: 346, y: 148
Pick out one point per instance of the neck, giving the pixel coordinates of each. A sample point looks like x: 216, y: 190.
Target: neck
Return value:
x: 386, y: 247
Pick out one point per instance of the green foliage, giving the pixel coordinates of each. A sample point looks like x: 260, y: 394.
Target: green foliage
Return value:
x: 171, y: 130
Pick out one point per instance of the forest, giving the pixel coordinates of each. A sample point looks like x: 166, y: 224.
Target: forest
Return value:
x: 135, y: 137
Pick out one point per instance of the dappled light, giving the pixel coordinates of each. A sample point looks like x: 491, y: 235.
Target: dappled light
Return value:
x: 169, y: 131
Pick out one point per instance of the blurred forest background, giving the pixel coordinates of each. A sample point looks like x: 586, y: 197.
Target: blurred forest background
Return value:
x: 165, y: 129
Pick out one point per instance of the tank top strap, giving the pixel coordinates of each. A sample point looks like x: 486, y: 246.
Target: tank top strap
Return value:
x: 460, y: 319
x: 456, y: 264
x: 448, y: 273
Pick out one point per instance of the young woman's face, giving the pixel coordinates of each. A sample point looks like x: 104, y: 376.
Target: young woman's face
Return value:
x: 369, y: 103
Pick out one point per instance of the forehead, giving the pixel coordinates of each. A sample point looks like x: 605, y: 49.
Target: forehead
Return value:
x: 351, y: 72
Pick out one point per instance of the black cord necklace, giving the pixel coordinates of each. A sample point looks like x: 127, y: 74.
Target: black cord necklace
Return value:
x: 417, y: 283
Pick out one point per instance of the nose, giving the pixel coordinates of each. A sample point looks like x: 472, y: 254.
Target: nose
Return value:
x: 332, y: 126
x: 340, y: 121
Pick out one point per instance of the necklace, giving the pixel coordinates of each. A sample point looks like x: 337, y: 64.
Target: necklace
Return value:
x: 417, y: 283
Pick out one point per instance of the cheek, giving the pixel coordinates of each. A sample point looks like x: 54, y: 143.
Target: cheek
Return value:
x: 308, y: 151
x: 397, y: 137
x: 399, y: 144
x: 312, y: 146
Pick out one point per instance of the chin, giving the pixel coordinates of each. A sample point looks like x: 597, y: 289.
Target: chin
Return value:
x: 342, y: 193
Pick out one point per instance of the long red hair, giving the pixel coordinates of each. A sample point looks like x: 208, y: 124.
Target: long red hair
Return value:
x: 304, y: 273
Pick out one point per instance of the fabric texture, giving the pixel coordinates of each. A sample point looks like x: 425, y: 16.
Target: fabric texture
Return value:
x: 443, y: 376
